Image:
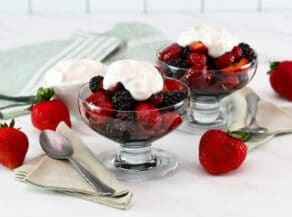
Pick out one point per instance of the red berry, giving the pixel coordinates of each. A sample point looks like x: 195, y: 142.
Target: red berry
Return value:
x: 237, y: 52
x: 224, y: 61
x: 220, y: 153
x: 237, y: 68
x: 197, y: 60
x: 281, y: 78
x: 148, y: 116
x: 98, y: 98
x: 171, y: 120
x: 13, y: 147
x: 198, y: 47
x: 171, y: 52
x: 231, y: 82
x: 98, y: 109
x: 48, y: 114
x: 172, y: 85
x: 197, y: 79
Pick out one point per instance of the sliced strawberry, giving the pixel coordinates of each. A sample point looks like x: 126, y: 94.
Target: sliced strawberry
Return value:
x: 98, y: 98
x: 171, y: 120
x: 198, y: 47
x: 148, y: 116
x: 224, y: 61
x: 171, y: 52
x: 237, y: 52
x: 171, y: 85
x: 236, y: 67
x: 231, y: 82
x: 98, y: 109
x: 197, y: 60
x: 197, y: 79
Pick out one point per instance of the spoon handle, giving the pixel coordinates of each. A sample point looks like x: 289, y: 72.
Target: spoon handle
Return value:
x: 252, y: 102
x: 101, y: 188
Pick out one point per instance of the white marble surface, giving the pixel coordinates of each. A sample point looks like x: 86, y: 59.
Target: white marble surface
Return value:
x: 261, y: 187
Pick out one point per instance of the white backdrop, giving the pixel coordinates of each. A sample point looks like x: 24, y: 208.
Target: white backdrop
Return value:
x: 142, y: 6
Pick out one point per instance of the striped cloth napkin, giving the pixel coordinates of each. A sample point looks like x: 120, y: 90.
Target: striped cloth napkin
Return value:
x: 125, y: 40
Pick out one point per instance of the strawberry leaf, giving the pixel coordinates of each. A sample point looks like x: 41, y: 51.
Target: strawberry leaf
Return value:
x: 43, y: 94
x: 273, y: 66
x: 5, y: 125
x: 239, y: 135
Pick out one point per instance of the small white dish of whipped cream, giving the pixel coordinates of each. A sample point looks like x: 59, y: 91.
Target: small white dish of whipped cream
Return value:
x: 67, y: 77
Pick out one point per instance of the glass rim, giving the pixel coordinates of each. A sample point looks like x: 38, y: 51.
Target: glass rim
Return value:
x: 244, y: 67
x: 92, y: 106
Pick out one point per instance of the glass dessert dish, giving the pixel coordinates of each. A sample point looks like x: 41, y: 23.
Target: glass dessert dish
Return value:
x: 208, y: 84
x: 135, y: 130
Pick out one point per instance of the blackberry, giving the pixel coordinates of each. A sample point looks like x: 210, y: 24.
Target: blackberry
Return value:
x: 247, y: 51
x: 95, y: 83
x: 122, y: 127
x: 173, y: 97
x: 210, y: 63
x: 185, y: 52
x: 179, y: 63
x: 123, y: 101
x: 126, y: 116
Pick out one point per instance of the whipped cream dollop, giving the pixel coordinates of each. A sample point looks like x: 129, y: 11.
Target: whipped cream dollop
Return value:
x: 141, y: 79
x: 216, y: 38
x: 73, y: 72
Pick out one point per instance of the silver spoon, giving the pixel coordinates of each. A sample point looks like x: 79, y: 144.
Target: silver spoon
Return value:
x: 253, y: 128
x: 57, y: 147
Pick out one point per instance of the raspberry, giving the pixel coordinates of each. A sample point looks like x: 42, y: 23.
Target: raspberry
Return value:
x: 123, y: 101
x: 95, y: 83
x: 173, y: 97
x: 247, y: 51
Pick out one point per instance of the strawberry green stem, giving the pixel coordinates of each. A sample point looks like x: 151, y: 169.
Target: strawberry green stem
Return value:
x: 273, y: 66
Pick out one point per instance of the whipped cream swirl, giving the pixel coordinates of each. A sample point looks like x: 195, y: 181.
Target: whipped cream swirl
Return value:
x: 141, y: 79
x: 216, y: 38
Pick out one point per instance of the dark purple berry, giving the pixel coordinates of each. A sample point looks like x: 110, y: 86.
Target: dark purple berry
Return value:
x: 95, y: 83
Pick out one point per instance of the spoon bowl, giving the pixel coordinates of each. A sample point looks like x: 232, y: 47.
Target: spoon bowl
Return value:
x: 55, y: 145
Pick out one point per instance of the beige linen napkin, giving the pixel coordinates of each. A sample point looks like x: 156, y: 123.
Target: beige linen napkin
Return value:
x: 61, y: 176
x: 277, y: 120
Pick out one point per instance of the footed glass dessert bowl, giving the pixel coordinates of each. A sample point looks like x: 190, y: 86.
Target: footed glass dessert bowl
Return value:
x: 135, y: 130
x: 209, y: 79
x: 213, y: 63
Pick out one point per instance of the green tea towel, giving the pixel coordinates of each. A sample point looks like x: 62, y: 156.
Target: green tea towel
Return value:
x: 125, y: 40
x: 61, y: 176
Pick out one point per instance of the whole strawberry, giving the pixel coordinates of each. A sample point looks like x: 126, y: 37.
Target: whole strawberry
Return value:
x: 281, y: 78
x: 220, y: 152
x: 46, y: 113
x: 13, y: 146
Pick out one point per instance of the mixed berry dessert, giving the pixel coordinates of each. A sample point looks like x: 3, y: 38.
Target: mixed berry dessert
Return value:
x: 213, y: 63
x: 134, y: 106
